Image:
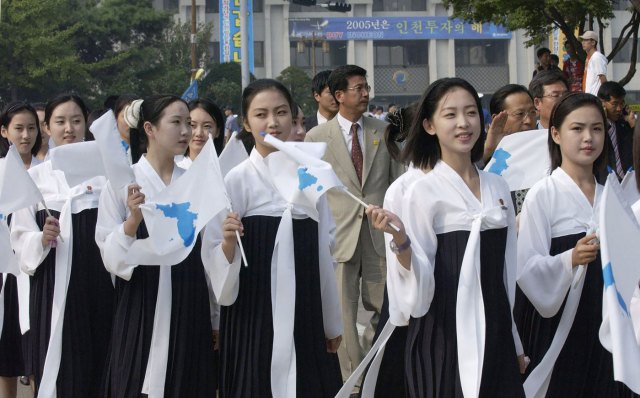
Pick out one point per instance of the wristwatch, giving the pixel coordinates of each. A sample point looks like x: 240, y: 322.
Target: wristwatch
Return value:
x: 397, y: 249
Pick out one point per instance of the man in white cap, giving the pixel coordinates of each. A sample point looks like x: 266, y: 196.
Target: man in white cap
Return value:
x: 595, y: 72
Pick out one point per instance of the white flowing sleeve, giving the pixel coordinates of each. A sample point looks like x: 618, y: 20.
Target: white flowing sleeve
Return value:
x: 331, y: 312
x: 26, y: 240
x: 214, y: 307
x: 634, y: 309
x: 413, y: 289
x: 110, y: 237
x: 544, y: 279
x: 511, y: 266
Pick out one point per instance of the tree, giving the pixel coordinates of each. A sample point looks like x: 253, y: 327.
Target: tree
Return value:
x: 223, y: 84
x: 539, y: 18
x: 299, y: 84
x: 36, y: 51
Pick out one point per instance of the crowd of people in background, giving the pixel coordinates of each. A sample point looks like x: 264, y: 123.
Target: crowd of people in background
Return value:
x: 473, y: 276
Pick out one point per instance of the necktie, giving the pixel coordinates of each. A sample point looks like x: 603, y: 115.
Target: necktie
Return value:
x: 614, y: 143
x: 356, y: 151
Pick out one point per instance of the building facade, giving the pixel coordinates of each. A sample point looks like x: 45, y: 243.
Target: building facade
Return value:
x: 400, y: 67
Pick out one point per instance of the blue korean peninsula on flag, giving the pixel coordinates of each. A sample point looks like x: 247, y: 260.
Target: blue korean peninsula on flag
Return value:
x: 176, y: 215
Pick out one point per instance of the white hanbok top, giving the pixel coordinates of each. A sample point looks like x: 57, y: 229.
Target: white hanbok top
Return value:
x: 252, y: 193
x: 554, y: 207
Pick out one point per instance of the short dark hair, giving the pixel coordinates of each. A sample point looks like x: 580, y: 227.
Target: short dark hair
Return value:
x: 561, y: 110
x: 9, y: 111
x: 423, y: 149
x: 320, y: 81
x: 339, y: 77
x: 121, y: 102
x: 545, y: 78
x: 541, y: 51
x: 496, y: 105
x: 610, y: 89
x: 216, y: 114
x: 61, y: 99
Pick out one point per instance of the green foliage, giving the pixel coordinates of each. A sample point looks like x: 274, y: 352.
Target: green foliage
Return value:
x: 299, y: 84
x: 95, y: 48
x: 536, y: 17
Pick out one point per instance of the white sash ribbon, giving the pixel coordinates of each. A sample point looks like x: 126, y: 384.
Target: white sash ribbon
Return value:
x: 156, y: 371
x: 64, y: 249
x: 537, y: 383
x: 374, y: 356
x: 283, y: 306
x: 24, y: 289
x: 470, y: 318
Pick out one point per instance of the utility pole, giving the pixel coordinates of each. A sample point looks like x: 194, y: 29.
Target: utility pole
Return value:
x: 194, y: 61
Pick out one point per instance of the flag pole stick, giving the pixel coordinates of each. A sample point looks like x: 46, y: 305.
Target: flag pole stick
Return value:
x: 46, y: 209
x: 244, y: 257
x: 397, y: 229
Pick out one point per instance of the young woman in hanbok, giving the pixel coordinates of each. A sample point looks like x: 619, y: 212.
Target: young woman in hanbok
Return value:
x: 163, y: 127
x: 559, y: 265
x: 19, y: 126
x: 455, y: 273
x: 71, y: 295
x: 207, y: 122
x: 306, y: 325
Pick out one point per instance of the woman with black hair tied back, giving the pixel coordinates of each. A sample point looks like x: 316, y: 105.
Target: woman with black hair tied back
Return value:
x: 160, y: 128
x: 207, y: 123
x: 71, y: 298
x: 19, y: 126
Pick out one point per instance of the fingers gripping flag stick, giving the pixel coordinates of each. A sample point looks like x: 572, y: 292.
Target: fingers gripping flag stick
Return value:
x: 314, y: 175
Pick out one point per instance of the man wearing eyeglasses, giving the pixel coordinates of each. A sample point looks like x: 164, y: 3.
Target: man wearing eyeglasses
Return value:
x: 359, y: 156
x: 620, y: 132
x: 547, y: 88
x: 596, y: 65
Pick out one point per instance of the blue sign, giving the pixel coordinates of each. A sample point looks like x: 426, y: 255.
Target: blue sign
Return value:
x: 393, y: 28
x: 230, y: 42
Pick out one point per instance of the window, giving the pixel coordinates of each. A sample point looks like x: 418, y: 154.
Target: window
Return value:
x: 333, y: 54
x: 401, y: 53
x: 624, y: 55
x: 258, y: 54
x: 171, y: 5
x: 212, y: 6
x: 213, y: 52
x: 399, y: 5
x: 258, y: 6
x: 621, y: 5
x: 481, y: 52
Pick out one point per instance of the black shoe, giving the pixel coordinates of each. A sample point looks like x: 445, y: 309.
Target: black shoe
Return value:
x: 24, y: 380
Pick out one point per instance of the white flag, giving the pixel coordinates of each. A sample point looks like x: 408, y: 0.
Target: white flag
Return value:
x: 619, y: 237
x: 17, y: 191
x: 300, y: 174
x: 176, y: 215
x: 113, y: 151
x: 522, y: 159
x: 79, y: 162
x: 232, y: 155
x: 629, y: 187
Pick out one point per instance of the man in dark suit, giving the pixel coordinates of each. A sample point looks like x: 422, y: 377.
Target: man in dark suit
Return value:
x: 621, y: 124
x: 327, y: 105
x: 359, y: 156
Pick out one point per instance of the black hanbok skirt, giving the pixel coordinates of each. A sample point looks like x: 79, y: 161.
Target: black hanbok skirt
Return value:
x: 246, y: 327
x: 87, y: 316
x: 190, y: 365
x: 431, y: 351
x: 583, y: 368
x: 11, y: 363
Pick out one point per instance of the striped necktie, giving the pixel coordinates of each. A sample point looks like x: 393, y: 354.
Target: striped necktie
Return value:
x: 614, y: 142
x: 356, y: 151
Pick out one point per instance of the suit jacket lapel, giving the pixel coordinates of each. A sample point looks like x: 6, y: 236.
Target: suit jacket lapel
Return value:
x: 337, y: 148
x: 372, y: 141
